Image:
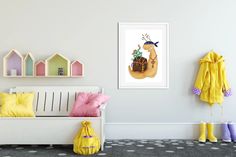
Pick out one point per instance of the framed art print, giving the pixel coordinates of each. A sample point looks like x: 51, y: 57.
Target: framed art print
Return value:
x: 143, y: 55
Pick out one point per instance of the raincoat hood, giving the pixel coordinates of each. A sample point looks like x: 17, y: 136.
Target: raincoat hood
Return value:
x: 212, y: 57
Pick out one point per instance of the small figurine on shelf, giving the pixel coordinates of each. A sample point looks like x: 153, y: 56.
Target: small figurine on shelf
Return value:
x: 13, y: 72
x: 60, y: 71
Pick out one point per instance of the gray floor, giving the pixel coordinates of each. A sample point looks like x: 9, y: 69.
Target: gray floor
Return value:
x: 130, y: 148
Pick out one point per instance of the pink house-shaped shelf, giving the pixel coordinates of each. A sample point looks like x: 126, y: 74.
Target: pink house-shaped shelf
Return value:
x: 40, y: 68
x: 13, y: 61
x: 77, y: 69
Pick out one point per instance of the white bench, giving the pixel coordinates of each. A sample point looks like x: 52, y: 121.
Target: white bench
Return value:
x: 52, y: 105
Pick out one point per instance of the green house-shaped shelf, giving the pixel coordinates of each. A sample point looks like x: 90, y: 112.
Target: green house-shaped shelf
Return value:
x: 29, y: 65
x: 57, y: 66
x: 13, y: 64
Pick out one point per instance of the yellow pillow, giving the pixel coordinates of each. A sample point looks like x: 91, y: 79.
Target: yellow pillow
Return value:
x: 16, y: 105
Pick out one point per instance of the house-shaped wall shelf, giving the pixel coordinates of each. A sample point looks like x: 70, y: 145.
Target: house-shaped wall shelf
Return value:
x: 77, y: 69
x: 29, y: 65
x: 57, y: 66
x: 40, y: 68
x: 13, y: 64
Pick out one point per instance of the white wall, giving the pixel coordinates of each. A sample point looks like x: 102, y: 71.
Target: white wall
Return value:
x: 88, y: 30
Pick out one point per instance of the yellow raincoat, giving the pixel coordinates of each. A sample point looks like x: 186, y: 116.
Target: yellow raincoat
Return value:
x: 211, y: 83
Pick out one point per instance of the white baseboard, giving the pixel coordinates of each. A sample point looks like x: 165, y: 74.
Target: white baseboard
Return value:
x: 155, y: 130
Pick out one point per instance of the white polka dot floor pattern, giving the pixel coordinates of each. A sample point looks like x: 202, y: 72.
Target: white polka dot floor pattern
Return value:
x: 128, y: 148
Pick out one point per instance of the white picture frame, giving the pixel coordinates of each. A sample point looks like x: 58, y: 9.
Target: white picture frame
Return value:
x: 150, y: 40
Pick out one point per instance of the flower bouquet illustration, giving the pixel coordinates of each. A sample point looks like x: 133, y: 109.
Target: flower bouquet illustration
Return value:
x: 142, y: 67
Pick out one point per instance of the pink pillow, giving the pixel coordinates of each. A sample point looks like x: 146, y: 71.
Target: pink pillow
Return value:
x: 87, y: 104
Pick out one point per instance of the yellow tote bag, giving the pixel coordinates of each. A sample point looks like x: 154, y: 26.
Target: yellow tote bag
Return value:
x: 86, y: 141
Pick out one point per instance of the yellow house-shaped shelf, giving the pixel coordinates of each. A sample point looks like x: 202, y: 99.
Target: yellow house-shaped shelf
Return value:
x: 13, y: 64
x: 29, y: 65
x: 57, y: 66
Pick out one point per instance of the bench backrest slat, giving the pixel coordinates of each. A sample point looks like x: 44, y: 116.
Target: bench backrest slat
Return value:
x: 55, y: 100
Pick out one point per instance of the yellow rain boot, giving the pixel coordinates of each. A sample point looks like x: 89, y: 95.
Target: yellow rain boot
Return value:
x: 210, y: 136
x: 202, y: 137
